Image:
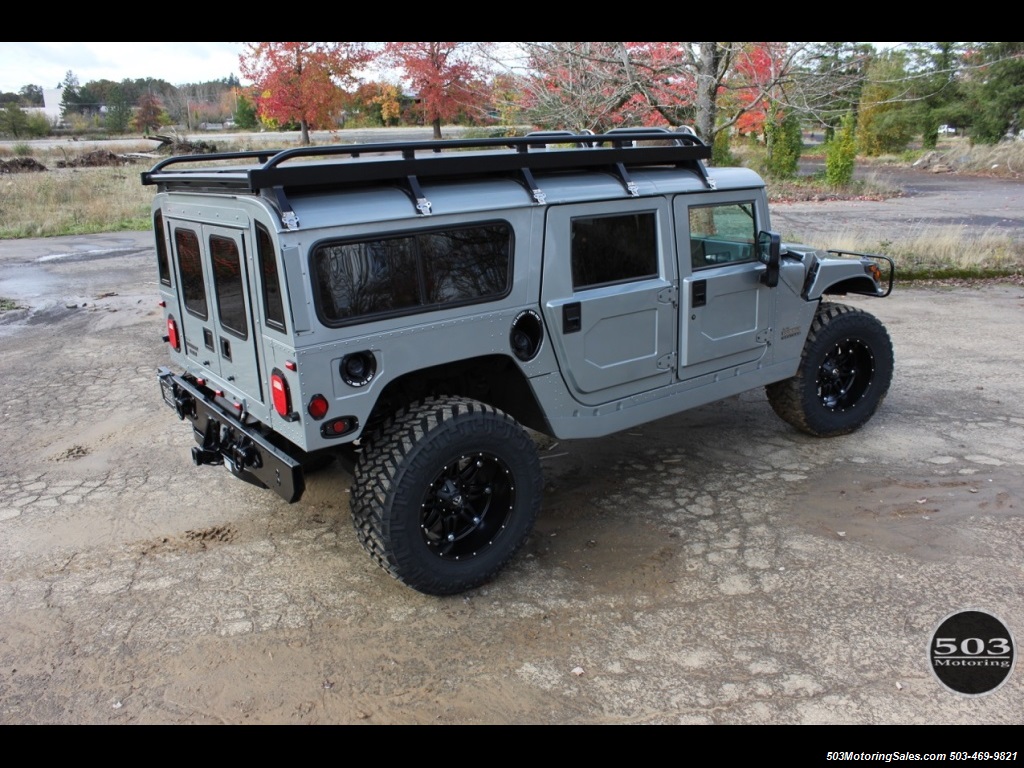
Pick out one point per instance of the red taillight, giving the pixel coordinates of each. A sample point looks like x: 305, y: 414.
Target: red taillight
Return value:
x: 172, y: 334
x: 281, y: 394
x: 318, y: 407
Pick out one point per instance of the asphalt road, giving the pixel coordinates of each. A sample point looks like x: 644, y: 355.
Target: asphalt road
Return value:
x: 714, y: 567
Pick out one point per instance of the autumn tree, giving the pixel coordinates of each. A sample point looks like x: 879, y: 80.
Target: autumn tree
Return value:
x: 578, y: 86
x: 448, y: 78
x: 301, y: 82
x: 709, y: 85
x: 389, y: 101
x: 150, y: 114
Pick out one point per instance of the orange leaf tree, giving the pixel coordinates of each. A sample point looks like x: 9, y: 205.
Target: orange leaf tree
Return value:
x: 301, y: 82
x: 447, y: 77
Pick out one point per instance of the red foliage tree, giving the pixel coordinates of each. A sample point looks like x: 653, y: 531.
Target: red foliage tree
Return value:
x: 301, y: 82
x: 150, y: 114
x: 447, y: 77
x: 710, y: 85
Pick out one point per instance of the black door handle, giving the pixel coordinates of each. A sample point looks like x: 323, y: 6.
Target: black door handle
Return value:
x: 572, y: 318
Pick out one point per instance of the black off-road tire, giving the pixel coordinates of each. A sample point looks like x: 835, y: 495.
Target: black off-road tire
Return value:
x: 446, y: 493
x: 844, y: 374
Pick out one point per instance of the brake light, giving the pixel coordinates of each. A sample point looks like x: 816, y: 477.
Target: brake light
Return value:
x: 318, y: 407
x: 172, y: 334
x: 281, y: 394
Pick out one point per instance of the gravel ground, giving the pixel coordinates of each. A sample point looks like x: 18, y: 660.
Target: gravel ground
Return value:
x: 714, y: 567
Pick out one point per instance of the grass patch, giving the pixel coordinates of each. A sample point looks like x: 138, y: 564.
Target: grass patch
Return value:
x: 938, y: 253
x: 1003, y: 159
x: 6, y: 305
x: 814, y: 189
x: 73, y: 202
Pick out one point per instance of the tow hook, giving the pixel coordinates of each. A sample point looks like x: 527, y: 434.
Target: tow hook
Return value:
x: 244, y: 454
x: 184, y: 404
x: 201, y: 457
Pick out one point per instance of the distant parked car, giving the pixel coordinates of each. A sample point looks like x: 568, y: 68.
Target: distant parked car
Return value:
x: 947, y: 129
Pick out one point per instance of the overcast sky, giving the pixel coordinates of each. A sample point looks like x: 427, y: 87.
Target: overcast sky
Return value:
x: 45, y: 64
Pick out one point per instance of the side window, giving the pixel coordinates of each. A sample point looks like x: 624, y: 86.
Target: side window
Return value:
x: 613, y: 249
x: 367, y: 278
x: 722, y: 234
x: 162, y: 261
x: 273, y: 301
x: 417, y: 271
x: 190, y: 265
x: 227, y: 282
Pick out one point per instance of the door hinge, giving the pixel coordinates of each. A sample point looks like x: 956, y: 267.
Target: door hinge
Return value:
x: 765, y: 336
x: 667, y: 362
x: 669, y: 296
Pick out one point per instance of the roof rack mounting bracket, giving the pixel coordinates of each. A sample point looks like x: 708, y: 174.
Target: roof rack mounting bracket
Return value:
x: 289, y: 219
x: 627, y: 182
x: 702, y: 172
x: 539, y: 196
x: 423, y: 206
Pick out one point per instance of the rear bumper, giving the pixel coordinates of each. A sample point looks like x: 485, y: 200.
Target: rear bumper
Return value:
x: 224, y: 439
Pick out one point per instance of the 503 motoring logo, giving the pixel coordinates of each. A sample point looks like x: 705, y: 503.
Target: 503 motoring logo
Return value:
x: 972, y: 653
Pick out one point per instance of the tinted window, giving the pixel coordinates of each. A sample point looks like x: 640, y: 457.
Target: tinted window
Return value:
x: 162, y: 261
x: 190, y: 265
x: 273, y: 300
x: 613, y: 249
x: 227, y: 281
x: 417, y: 271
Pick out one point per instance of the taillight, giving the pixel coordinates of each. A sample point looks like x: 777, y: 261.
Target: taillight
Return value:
x: 172, y: 334
x: 318, y: 407
x: 281, y: 394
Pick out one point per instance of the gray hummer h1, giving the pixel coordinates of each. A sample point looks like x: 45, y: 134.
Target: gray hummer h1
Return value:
x: 412, y: 308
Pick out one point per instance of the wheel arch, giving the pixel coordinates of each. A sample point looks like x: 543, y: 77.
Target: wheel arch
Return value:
x: 863, y: 286
x: 493, y: 379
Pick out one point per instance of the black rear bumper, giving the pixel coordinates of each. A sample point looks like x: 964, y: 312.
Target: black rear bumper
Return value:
x: 224, y: 439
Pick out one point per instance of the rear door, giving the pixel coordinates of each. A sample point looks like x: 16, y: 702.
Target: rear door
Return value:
x: 216, y: 307
x: 608, y: 297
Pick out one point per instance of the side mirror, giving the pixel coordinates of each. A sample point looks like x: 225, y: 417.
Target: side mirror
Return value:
x: 769, y: 253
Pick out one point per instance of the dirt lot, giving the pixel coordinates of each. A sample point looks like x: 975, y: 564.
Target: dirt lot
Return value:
x: 715, y: 567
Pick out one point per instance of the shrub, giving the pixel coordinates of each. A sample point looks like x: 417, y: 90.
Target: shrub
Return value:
x: 841, y: 155
x: 721, y: 152
x: 785, y: 143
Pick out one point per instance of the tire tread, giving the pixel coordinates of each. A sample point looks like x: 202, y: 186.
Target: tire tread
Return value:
x: 378, y: 481
x: 788, y: 398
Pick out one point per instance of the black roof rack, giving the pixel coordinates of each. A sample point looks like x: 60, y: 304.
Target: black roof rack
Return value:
x: 407, y: 163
